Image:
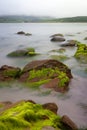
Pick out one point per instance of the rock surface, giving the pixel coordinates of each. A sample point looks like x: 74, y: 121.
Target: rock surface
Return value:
x: 51, y: 106
x: 8, y: 73
x: 58, y: 39
x: 70, y: 43
x: 69, y: 123
x: 46, y: 70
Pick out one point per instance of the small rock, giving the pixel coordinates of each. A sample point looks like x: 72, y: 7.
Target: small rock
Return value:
x: 69, y: 123
x: 58, y: 39
x: 51, y: 106
x: 59, y: 34
x: 21, y: 33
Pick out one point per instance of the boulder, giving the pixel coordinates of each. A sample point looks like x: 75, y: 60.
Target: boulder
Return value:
x: 52, y: 73
x: 70, y: 125
x: 70, y: 43
x: 51, y: 106
x: 8, y: 73
x: 58, y: 39
x: 23, y: 52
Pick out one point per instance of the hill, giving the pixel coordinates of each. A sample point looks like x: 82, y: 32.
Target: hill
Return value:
x: 37, y: 19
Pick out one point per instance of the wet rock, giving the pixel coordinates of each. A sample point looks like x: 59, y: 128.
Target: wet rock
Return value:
x: 23, y: 52
x: 47, y: 72
x: 18, y: 53
x: 58, y: 34
x: 51, y: 106
x: 21, y: 33
x: 70, y: 125
x: 70, y: 43
x: 81, y: 53
x: 58, y: 39
x: 8, y: 73
x: 85, y: 38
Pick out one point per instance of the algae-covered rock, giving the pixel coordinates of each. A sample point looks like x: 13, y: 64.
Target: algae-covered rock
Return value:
x: 8, y: 73
x: 85, y: 38
x: 41, y: 72
x: 81, y: 53
x: 25, y: 115
x: 23, y: 52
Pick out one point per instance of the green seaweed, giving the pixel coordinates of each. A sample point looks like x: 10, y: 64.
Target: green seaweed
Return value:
x: 45, y: 75
x: 28, y: 115
x: 12, y: 73
x: 81, y: 53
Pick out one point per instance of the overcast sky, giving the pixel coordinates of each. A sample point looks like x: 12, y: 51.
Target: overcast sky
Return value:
x: 56, y: 8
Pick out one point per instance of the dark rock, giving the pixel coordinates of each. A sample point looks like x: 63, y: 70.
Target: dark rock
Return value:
x: 58, y: 39
x: 70, y: 125
x: 70, y: 43
x: 85, y: 38
x: 21, y: 33
x: 18, y: 53
x: 23, y: 52
x: 51, y: 106
x: 8, y: 73
x: 28, y: 34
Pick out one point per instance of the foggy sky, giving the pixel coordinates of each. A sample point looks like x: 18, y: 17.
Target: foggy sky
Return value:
x: 56, y: 8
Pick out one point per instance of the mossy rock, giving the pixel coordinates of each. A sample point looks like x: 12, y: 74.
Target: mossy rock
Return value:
x: 26, y: 115
x: 81, y: 53
x: 8, y: 73
x: 85, y: 38
x: 23, y: 52
x: 41, y: 72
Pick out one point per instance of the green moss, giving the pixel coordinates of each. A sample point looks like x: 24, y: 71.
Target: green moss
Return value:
x: 46, y: 74
x: 81, y: 53
x: 28, y: 115
x: 12, y: 73
x: 1, y: 105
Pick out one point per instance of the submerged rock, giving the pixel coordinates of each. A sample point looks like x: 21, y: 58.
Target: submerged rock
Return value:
x: 23, y: 33
x: 30, y: 116
x: 70, y: 43
x: 8, y: 73
x: 85, y: 38
x: 23, y: 52
x: 58, y: 39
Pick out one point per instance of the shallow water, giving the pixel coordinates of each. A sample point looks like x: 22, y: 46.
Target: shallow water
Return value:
x: 74, y: 102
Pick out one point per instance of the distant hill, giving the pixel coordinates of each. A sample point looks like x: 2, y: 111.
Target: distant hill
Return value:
x: 34, y: 19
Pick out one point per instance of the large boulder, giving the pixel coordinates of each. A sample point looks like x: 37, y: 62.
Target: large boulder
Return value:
x: 47, y: 72
x: 8, y: 73
x: 70, y: 125
x: 58, y: 39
